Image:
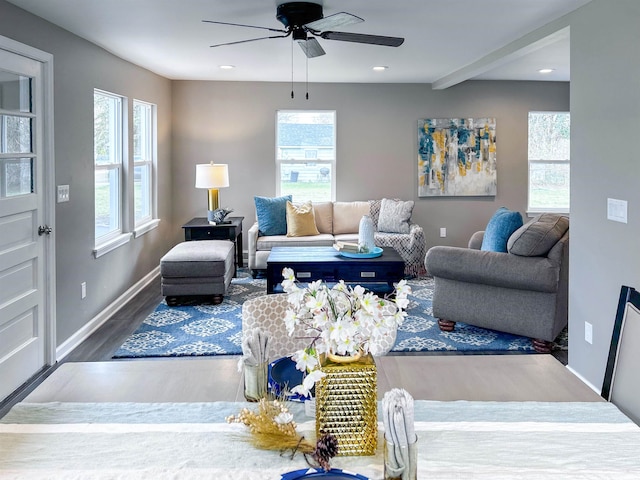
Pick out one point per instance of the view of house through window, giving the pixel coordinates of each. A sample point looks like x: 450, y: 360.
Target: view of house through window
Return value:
x: 143, y: 153
x: 549, y: 155
x: 107, y: 133
x: 306, y: 154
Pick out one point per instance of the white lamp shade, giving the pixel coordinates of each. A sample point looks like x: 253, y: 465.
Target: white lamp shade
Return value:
x: 212, y: 175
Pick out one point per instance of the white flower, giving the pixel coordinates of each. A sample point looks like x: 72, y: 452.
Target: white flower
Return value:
x: 308, y: 383
x: 283, y: 418
x: 305, y: 361
x: 341, y: 320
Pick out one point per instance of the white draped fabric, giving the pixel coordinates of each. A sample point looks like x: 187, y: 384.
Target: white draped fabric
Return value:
x: 470, y: 440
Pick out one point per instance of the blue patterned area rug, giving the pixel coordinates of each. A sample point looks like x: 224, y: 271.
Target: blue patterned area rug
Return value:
x: 206, y: 329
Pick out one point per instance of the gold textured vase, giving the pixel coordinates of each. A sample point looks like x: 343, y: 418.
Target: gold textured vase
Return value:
x: 346, y: 404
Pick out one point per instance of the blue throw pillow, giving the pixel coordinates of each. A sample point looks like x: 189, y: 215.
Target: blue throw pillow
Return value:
x: 272, y: 215
x: 500, y: 227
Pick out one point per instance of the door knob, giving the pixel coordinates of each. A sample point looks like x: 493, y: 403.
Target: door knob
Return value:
x: 44, y: 230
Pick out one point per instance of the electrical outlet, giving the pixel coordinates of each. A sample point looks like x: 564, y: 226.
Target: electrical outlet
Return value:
x: 83, y: 290
x: 588, y: 332
x: 443, y: 232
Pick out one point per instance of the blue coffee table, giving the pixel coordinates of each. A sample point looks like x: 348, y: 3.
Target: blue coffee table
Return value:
x: 325, y: 263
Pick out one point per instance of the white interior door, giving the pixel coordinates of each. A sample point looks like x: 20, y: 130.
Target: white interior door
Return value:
x: 23, y: 331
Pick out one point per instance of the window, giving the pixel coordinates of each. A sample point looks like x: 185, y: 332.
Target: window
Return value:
x: 549, y: 155
x: 107, y: 146
x: 16, y: 125
x: 306, y: 155
x: 143, y: 160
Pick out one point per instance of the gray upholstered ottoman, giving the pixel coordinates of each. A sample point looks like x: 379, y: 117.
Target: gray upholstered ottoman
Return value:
x: 203, y: 267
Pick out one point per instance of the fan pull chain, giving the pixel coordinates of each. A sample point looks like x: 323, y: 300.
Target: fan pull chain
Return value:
x: 307, y: 78
x: 292, y: 95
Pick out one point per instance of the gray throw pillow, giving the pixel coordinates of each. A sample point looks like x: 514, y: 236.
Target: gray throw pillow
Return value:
x: 537, y: 237
x: 394, y: 216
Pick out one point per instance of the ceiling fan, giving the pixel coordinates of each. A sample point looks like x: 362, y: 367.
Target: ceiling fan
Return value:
x: 304, y: 21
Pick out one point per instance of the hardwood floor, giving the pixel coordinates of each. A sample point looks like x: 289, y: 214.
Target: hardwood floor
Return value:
x: 103, y: 343
x: 204, y: 379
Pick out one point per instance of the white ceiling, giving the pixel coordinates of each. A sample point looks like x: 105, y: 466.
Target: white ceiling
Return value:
x: 446, y: 41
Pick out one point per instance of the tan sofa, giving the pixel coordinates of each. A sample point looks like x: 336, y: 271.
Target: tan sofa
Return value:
x: 340, y: 221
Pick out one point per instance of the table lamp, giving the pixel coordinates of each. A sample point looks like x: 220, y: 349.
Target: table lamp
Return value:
x: 212, y: 176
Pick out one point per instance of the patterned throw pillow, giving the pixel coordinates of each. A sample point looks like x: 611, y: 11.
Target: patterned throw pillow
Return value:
x: 301, y: 220
x: 272, y: 214
x: 394, y: 216
x: 500, y: 227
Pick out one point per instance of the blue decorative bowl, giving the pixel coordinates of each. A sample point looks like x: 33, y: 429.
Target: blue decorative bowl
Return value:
x: 283, y: 376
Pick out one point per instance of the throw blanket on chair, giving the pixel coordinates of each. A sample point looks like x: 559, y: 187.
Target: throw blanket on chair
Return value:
x: 412, y: 248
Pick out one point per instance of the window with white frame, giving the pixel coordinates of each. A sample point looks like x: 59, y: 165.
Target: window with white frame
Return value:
x: 108, y: 152
x: 549, y: 157
x: 144, y: 147
x: 306, y: 154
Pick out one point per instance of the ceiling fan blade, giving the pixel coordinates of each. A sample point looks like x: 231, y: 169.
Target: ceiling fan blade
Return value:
x: 242, y: 25
x: 248, y: 40
x: 363, y: 38
x: 311, y: 48
x: 336, y: 20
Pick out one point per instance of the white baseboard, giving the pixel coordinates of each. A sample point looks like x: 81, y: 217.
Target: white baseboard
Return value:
x: 97, y: 321
x: 584, y: 380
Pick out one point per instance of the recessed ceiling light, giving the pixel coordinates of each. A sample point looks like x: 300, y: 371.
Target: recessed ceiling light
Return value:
x: 227, y: 67
x: 380, y: 68
x: 545, y: 70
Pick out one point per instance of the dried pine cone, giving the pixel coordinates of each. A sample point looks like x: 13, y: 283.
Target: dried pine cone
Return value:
x: 326, y: 449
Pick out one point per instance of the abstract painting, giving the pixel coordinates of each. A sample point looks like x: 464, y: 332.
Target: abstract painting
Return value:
x: 456, y: 157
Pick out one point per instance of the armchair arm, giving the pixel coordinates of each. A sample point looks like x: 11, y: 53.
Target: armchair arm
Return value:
x: 252, y: 244
x: 493, y: 268
x: 475, y: 241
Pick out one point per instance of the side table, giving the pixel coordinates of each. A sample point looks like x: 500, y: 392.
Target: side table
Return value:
x: 200, y: 229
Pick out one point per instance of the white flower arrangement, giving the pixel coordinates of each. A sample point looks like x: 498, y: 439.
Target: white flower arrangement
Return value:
x: 341, y: 320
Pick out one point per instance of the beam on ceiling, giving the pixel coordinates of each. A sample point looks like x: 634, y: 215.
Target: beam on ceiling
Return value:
x: 539, y: 38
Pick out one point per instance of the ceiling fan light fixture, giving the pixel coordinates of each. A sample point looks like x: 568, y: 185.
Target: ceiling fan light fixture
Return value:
x: 299, y: 35
x: 305, y: 22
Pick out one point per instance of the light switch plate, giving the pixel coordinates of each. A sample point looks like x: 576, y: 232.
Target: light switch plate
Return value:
x: 63, y: 193
x: 617, y: 210
x: 588, y: 332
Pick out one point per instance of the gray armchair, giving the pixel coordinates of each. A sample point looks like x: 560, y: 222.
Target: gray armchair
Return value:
x: 522, y: 292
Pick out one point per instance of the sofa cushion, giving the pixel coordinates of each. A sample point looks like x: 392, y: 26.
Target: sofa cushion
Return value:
x: 500, y: 227
x: 347, y: 215
x: 272, y: 214
x: 204, y: 258
x: 394, y: 216
x: 536, y: 237
x: 301, y: 220
x: 323, y: 212
x: 267, y: 243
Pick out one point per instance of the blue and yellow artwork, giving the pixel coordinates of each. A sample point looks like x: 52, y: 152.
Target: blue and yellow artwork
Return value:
x: 457, y: 157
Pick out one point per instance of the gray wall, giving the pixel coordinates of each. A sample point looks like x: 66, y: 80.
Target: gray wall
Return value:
x: 234, y: 123
x: 79, y: 67
x: 605, y: 117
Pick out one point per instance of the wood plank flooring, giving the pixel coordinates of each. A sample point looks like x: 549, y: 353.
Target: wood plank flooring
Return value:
x: 102, y: 344
x: 446, y: 378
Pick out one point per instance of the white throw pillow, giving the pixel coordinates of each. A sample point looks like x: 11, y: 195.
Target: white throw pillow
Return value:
x: 394, y: 216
